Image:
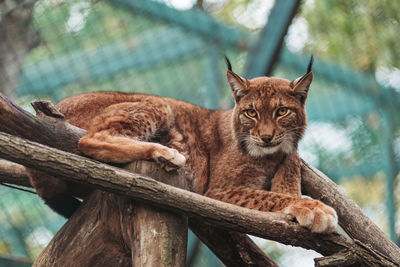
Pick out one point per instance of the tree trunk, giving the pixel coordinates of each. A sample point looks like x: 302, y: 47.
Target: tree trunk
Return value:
x: 17, y: 38
x: 92, y: 236
x: 123, y: 232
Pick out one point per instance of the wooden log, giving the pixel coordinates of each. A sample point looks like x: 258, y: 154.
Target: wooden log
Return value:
x: 157, y: 237
x: 216, y: 238
x: 232, y: 248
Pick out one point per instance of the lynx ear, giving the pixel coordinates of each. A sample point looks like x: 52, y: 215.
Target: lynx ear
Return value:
x: 238, y: 85
x: 301, y: 85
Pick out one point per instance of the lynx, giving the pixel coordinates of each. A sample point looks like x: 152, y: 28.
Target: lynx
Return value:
x: 245, y: 156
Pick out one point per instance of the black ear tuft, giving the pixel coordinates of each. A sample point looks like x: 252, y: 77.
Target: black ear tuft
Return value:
x: 228, y: 63
x: 309, y: 67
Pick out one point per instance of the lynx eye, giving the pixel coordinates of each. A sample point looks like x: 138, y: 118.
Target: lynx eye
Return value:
x: 282, y: 111
x: 251, y: 113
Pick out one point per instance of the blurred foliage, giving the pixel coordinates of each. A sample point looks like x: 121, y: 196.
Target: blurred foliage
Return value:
x: 63, y: 23
x: 365, y: 31
x: 26, y: 224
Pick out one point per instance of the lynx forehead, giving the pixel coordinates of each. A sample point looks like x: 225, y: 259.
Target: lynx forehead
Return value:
x: 264, y: 86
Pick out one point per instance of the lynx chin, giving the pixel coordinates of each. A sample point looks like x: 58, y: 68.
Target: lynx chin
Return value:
x: 245, y: 156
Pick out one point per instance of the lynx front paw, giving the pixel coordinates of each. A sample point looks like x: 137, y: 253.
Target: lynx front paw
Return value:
x: 168, y: 158
x: 313, y: 214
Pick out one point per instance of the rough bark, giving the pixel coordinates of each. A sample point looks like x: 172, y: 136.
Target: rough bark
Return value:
x: 233, y: 249
x: 48, y: 128
x: 92, y: 236
x: 51, y: 128
x: 156, y: 237
x: 126, y: 232
x: 13, y: 173
x: 247, y: 253
x: 272, y: 226
x: 17, y: 38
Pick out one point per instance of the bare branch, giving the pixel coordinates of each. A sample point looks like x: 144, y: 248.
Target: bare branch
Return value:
x: 13, y: 173
x: 245, y: 254
x: 351, y: 218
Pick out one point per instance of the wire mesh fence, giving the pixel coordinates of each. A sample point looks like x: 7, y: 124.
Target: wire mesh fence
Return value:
x: 169, y: 48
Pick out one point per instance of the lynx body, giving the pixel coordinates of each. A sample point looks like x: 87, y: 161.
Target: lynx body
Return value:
x: 245, y: 156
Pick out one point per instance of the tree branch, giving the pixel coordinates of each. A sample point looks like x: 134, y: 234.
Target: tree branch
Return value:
x: 274, y: 226
x: 13, y: 173
x: 245, y: 253
x: 233, y: 248
x: 351, y: 218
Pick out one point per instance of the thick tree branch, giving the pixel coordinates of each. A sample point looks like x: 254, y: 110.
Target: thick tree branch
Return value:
x: 245, y: 253
x: 233, y: 248
x: 48, y: 128
x: 272, y: 226
x: 126, y: 232
x: 13, y: 173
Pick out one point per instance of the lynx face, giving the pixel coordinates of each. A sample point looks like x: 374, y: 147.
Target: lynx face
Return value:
x: 269, y: 113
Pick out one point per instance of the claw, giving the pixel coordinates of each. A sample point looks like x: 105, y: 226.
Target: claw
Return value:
x: 313, y: 214
x: 169, y: 159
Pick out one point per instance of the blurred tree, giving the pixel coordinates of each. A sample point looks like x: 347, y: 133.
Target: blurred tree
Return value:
x: 17, y: 38
x: 366, y: 32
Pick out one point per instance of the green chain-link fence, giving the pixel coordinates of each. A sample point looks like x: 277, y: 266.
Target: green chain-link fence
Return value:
x: 168, y: 49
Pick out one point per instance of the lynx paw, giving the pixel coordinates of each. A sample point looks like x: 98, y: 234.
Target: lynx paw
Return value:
x: 168, y: 158
x: 313, y: 214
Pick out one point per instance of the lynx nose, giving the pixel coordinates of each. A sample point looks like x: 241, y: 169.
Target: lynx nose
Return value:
x: 266, y: 138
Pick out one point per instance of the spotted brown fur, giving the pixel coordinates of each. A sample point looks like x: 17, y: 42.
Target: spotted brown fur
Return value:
x: 228, y: 155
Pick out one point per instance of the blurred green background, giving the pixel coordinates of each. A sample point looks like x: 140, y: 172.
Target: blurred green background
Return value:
x: 175, y: 48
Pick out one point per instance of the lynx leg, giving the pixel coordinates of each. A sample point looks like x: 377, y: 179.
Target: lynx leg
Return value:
x: 287, y: 179
x: 121, y: 134
x: 313, y: 214
x: 54, y: 192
